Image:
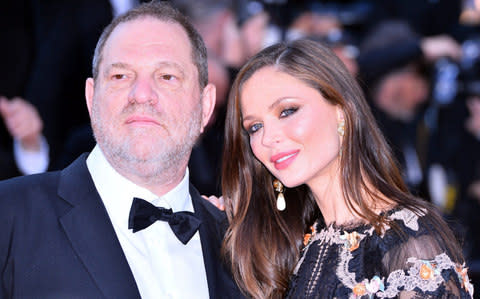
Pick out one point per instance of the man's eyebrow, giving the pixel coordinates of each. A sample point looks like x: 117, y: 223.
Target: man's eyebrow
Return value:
x: 162, y: 64
x: 118, y: 65
x: 171, y: 64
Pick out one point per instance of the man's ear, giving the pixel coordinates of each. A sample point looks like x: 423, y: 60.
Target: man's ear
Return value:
x: 208, y: 104
x: 89, y: 91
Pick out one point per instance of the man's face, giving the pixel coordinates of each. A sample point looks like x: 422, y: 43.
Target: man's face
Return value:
x: 401, y: 93
x: 147, y: 107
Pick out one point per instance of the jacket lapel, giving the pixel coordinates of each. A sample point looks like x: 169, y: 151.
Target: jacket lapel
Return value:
x: 212, y: 230
x: 91, y: 233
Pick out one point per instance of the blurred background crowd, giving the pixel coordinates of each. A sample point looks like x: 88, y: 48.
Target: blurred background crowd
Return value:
x: 418, y: 62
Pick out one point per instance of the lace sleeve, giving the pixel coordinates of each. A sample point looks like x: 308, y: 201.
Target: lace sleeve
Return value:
x: 420, y: 268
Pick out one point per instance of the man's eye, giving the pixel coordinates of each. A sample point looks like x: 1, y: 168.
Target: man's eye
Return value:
x: 287, y: 112
x: 168, y: 77
x: 119, y: 76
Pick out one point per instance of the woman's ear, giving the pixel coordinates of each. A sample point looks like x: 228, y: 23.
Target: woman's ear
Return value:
x: 340, y: 114
x: 340, y: 122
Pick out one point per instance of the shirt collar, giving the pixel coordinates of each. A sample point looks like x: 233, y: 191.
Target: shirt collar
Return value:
x: 117, y: 192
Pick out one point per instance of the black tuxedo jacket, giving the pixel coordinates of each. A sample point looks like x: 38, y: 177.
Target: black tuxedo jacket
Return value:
x: 57, y: 240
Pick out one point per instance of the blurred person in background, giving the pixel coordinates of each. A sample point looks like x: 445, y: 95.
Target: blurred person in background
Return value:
x: 216, y: 22
x: 397, y: 90
x: 395, y: 70
x: 419, y: 88
x: 29, y: 152
x: 65, y: 33
x: 65, y: 36
x: 23, y: 149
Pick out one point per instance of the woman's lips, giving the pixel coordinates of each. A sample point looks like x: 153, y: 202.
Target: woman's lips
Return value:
x: 283, y: 160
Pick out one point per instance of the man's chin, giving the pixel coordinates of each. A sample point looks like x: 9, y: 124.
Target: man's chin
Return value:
x: 142, y: 155
x: 133, y: 152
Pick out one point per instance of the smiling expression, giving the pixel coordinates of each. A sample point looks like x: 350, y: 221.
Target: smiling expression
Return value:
x: 292, y: 128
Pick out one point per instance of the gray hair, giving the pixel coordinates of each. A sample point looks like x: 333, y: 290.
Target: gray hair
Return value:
x: 162, y: 11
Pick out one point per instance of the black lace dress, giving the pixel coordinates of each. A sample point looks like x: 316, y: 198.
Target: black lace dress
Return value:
x: 354, y: 261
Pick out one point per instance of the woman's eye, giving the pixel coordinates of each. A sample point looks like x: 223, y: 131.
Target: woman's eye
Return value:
x: 254, y: 128
x: 287, y: 112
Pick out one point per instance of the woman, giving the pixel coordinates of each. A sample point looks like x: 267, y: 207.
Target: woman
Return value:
x: 297, y: 118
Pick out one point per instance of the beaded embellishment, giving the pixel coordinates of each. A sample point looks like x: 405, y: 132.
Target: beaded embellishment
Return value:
x: 421, y: 275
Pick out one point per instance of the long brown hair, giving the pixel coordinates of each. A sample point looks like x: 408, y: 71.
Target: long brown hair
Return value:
x: 262, y: 243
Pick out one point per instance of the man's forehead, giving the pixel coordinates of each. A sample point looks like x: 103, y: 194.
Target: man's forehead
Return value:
x: 151, y: 28
x: 148, y: 32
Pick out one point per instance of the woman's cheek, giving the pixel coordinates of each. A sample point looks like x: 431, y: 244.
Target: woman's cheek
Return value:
x: 256, y: 150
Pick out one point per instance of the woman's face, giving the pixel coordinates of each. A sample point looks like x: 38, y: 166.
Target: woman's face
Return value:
x: 292, y: 128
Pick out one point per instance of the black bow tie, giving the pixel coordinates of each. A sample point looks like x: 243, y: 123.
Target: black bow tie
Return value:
x: 143, y: 214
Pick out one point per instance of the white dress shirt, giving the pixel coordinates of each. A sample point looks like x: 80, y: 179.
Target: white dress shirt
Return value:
x: 162, y: 266
x: 30, y: 162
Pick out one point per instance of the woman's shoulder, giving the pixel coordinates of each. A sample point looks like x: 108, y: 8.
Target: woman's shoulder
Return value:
x: 412, y: 234
x: 417, y: 258
x: 403, y: 224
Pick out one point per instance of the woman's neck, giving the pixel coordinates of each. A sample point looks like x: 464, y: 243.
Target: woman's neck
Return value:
x: 329, y: 197
x: 328, y: 194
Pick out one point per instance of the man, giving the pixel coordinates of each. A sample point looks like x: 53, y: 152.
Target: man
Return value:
x: 79, y: 233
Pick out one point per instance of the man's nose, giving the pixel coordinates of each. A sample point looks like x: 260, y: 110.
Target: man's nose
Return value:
x: 143, y: 91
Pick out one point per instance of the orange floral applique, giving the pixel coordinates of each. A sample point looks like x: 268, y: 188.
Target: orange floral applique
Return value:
x: 462, y: 273
x: 308, y: 236
x: 428, y: 270
x: 352, y: 240
x: 359, y: 289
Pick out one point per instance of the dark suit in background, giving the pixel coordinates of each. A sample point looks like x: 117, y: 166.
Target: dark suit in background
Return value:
x: 16, y: 54
x: 66, y: 33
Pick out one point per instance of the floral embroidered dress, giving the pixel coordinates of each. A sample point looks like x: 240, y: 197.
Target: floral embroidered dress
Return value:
x: 354, y: 261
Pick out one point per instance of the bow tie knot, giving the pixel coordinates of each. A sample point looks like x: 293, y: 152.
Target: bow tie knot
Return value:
x: 161, y: 214
x: 143, y: 214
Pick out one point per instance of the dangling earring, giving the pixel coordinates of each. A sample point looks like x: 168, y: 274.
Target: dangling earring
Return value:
x: 281, y: 205
x: 341, y: 128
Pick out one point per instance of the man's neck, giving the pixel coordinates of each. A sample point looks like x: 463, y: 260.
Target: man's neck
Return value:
x: 157, y: 183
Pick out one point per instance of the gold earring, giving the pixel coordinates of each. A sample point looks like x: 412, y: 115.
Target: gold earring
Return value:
x: 281, y: 204
x: 341, y: 128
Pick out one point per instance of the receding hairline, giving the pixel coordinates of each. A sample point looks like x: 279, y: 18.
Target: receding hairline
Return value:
x: 164, y: 12
x: 139, y: 18
x: 167, y: 19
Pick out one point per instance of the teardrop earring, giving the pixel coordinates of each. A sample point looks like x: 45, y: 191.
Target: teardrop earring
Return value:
x: 281, y: 204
